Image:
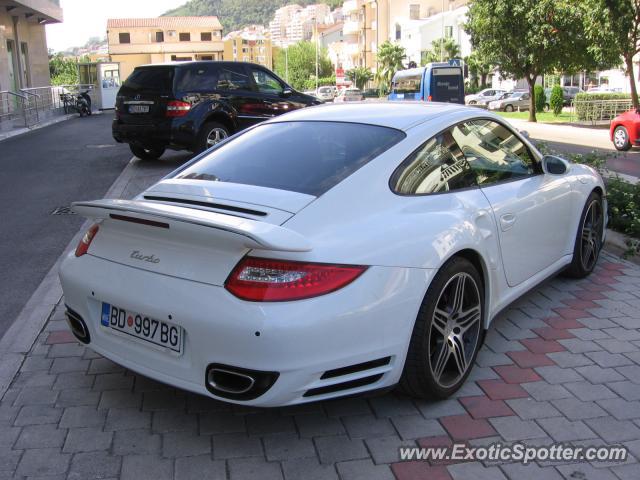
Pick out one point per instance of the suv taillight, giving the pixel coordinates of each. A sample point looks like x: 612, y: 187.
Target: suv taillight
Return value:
x: 85, y: 242
x: 177, y: 108
x: 265, y: 280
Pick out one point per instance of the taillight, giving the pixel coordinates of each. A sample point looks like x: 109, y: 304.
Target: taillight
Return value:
x: 265, y: 280
x: 176, y: 108
x: 88, y: 237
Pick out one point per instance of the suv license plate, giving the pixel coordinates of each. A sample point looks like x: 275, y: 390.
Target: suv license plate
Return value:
x: 142, y: 327
x: 138, y: 108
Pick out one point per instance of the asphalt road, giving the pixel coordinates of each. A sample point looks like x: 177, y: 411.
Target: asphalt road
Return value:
x: 39, y: 171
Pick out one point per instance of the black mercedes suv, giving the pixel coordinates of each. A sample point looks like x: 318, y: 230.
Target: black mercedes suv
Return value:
x: 194, y: 105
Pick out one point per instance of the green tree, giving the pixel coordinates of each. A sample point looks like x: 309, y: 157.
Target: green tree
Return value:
x: 390, y: 58
x: 556, y: 102
x: 442, y: 49
x: 541, y: 98
x: 614, y: 27
x: 299, y: 60
x: 63, y: 71
x: 479, y: 69
x: 529, y: 38
x: 360, y: 76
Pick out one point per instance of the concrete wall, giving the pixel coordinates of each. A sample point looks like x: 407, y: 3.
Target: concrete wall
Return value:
x: 33, y: 35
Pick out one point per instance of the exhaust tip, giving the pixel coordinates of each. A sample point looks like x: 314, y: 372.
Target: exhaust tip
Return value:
x: 78, y: 326
x: 238, y: 383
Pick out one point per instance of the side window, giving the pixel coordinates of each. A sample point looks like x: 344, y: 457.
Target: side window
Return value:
x: 198, y: 78
x: 525, y: 96
x: 265, y: 82
x: 437, y: 166
x: 493, y: 152
x: 233, y: 77
x: 489, y: 93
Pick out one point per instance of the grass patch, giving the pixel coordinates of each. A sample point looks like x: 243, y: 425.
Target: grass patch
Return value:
x: 543, y: 117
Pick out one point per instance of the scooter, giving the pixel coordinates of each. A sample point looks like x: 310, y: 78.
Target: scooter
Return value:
x: 80, y: 102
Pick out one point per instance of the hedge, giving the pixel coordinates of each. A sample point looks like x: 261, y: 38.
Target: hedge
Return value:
x: 586, y: 110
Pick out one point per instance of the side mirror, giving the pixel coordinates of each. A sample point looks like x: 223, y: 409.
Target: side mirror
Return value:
x: 555, y: 165
x: 524, y: 133
x: 287, y: 92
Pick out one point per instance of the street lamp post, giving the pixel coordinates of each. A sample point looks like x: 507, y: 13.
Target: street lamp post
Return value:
x: 317, y: 66
x: 442, y: 41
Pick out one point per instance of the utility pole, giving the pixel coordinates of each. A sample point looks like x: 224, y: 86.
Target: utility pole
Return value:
x: 442, y: 41
x: 317, y: 66
x: 286, y: 63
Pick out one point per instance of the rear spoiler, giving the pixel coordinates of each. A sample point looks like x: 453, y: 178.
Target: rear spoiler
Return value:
x: 257, y: 235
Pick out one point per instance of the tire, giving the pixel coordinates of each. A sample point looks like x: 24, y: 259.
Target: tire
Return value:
x: 508, y: 108
x: 144, y: 153
x: 434, y: 368
x: 210, y: 134
x: 473, y: 102
x: 621, y: 139
x: 588, y: 242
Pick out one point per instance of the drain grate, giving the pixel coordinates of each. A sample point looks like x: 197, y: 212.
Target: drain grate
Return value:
x: 66, y: 210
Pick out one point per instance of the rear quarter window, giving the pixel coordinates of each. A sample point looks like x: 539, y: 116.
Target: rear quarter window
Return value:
x: 151, y: 79
x: 306, y: 157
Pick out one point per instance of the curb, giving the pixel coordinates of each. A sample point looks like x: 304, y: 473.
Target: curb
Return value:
x: 616, y: 243
x: 16, y: 343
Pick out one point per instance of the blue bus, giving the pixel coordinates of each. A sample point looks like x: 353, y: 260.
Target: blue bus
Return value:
x: 435, y: 82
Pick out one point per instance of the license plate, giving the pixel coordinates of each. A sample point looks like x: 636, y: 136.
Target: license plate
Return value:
x: 142, y: 327
x: 138, y: 108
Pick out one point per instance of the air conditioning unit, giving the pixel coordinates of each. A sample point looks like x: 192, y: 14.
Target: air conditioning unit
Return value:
x: 172, y: 33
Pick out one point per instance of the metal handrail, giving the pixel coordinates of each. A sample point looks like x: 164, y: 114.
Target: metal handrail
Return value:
x: 599, y: 110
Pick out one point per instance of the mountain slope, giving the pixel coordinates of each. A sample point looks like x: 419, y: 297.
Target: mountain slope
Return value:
x: 235, y: 14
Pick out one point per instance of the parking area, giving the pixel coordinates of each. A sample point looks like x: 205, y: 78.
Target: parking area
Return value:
x: 560, y: 365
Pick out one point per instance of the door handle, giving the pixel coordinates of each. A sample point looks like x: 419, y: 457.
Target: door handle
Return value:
x: 507, y: 221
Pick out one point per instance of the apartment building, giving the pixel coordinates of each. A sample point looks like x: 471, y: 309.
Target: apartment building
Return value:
x: 293, y: 23
x: 369, y: 23
x: 140, y: 41
x: 24, y: 61
x: 251, y: 44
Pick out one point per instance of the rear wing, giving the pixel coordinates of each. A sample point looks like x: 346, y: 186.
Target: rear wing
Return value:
x: 254, y: 234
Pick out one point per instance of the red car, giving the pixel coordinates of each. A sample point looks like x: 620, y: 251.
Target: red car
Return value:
x: 625, y: 130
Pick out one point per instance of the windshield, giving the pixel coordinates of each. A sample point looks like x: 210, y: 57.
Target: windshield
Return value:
x: 305, y: 157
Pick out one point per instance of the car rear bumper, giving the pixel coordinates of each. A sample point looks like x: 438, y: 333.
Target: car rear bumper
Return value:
x: 165, y: 134
x: 369, y: 320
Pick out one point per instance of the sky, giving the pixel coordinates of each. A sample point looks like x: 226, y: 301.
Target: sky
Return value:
x: 88, y: 18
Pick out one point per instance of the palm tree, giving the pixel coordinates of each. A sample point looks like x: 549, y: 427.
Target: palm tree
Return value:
x: 442, y: 49
x: 360, y: 76
x: 390, y: 57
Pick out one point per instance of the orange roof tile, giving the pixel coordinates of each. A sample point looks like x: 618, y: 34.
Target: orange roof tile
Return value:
x: 165, y: 22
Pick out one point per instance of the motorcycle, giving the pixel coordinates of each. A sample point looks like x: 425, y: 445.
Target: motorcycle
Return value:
x: 80, y: 102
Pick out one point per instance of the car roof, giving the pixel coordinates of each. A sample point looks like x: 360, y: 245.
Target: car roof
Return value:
x: 398, y: 115
x: 197, y: 62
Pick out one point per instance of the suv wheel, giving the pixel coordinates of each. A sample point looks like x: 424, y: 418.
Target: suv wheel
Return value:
x: 211, y: 134
x: 144, y: 153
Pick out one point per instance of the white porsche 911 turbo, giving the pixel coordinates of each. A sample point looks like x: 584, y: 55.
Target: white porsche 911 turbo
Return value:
x: 331, y: 251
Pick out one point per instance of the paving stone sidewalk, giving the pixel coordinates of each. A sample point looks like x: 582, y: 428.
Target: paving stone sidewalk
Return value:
x: 561, y: 365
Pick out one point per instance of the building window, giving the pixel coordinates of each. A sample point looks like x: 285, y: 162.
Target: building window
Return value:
x: 205, y: 36
x: 159, y: 37
x: 448, y: 31
x: 124, y: 38
x: 398, y: 32
x: 414, y: 11
x: 206, y: 57
x: 185, y: 37
x: 175, y: 58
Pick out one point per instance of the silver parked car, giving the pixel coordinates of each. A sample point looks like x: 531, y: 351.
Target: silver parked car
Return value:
x: 326, y: 93
x: 511, y: 102
x: 483, y: 97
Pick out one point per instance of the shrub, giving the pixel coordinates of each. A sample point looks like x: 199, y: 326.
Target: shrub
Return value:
x: 541, y: 98
x: 556, y: 102
x: 624, y: 206
x: 585, y: 110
